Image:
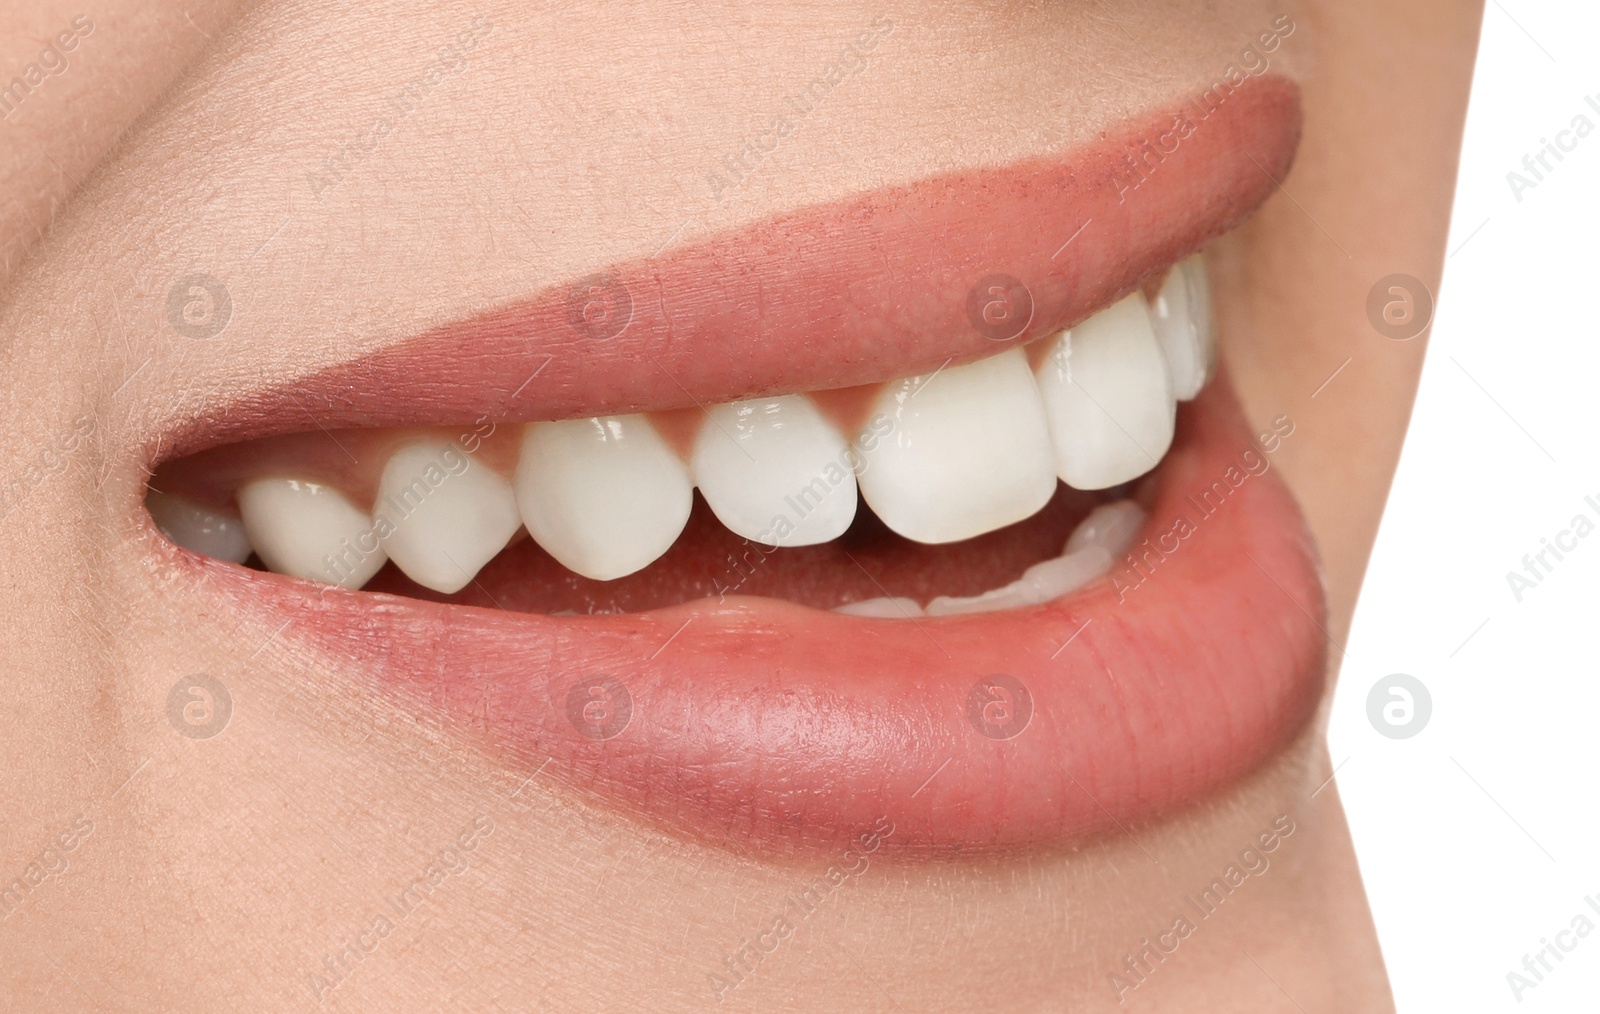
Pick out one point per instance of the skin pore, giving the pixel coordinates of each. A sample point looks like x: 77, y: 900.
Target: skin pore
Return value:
x: 217, y: 138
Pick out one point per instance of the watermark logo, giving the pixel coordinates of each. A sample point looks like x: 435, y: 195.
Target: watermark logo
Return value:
x: 450, y: 60
x: 52, y: 62
x: 1537, y: 965
x: 599, y: 307
x: 1552, y: 550
x: 1399, y: 706
x: 739, y: 965
x: 736, y: 168
x: 199, y: 706
x: 999, y: 707
x: 1537, y: 167
x: 392, y: 911
x: 1141, y: 962
x: 599, y: 707
x: 999, y: 307
x: 1142, y: 561
x: 199, y: 306
x: 50, y: 862
x: 1149, y: 154
x: 1399, y: 307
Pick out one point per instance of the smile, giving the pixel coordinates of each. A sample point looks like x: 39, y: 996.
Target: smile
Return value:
x: 930, y: 506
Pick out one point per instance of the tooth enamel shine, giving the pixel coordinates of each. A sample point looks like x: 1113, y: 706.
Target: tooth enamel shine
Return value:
x: 205, y: 531
x: 968, y: 453
x: 310, y: 530
x: 605, y: 496
x: 1181, y: 317
x: 451, y: 514
x: 1108, y: 397
x: 769, y: 458
x: 949, y: 455
x: 1110, y: 526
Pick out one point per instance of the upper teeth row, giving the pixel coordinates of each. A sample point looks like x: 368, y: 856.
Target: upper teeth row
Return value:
x: 944, y: 456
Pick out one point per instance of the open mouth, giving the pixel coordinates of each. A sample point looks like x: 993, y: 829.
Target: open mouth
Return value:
x: 925, y: 506
x: 929, y: 495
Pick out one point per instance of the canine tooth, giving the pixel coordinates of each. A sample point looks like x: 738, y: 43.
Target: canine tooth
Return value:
x: 1108, y: 397
x: 883, y: 608
x: 966, y: 451
x: 207, y: 532
x: 775, y: 471
x: 1042, y: 582
x: 1110, y: 526
x: 1181, y: 316
x: 447, y: 515
x: 310, y: 530
x: 605, y: 496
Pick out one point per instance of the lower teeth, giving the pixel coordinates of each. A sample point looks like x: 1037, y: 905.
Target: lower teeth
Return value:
x: 1099, y: 539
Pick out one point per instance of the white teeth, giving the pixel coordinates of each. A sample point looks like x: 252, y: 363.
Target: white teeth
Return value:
x: 1042, y: 582
x: 605, y: 496
x: 968, y: 452
x: 1099, y: 538
x: 310, y: 530
x: 1181, y: 316
x: 1108, y: 397
x: 205, y: 531
x: 883, y: 609
x: 947, y: 456
x: 1110, y: 526
x: 447, y: 515
x: 775, y: 471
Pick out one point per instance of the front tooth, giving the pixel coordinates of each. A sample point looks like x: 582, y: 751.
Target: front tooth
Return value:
x: 605, y: 496
x: 1108, y: 397
x: 310, y: 530
x: 1181, y: 316
x: 207, y: 532
x: 446, y: 514
x: 958, y: 453
x: 775, y: 471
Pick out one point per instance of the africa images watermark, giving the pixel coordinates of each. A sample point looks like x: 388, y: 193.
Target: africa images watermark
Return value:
x: 51, y: 62
x: 802, y: 503
x: 1142, y: 561
x: 50, y: 459
x: 1139, y: 965
x: 1536, y: 166
x: 1149, y: 153
x: 1537, y: 965
x: 797, y: 908
x: 1538, y: 566
x: 50, y: 863
x: 452, y: 861
x: 391, y: 512
x: 852, y: 60
x: 451, y: 58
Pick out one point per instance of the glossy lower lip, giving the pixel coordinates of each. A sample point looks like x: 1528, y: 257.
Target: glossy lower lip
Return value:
x: 788, y: 727
x: 791, y: 728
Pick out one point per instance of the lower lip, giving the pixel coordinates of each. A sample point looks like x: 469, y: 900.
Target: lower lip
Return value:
x: 788, y: 728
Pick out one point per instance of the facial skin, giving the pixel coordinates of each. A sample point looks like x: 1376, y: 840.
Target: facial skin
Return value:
x: 223, y: 871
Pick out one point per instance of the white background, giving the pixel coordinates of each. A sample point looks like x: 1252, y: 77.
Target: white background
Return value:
x: 1481, y: 835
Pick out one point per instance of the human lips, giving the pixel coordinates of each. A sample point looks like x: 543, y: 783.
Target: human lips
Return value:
x: 1066, y: 705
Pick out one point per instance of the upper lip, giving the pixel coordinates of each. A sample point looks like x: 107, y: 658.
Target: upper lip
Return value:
x: 849, y: 293
x: 790, y: 726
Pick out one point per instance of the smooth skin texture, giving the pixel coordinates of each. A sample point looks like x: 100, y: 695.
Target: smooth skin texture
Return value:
x: 220, y: 872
